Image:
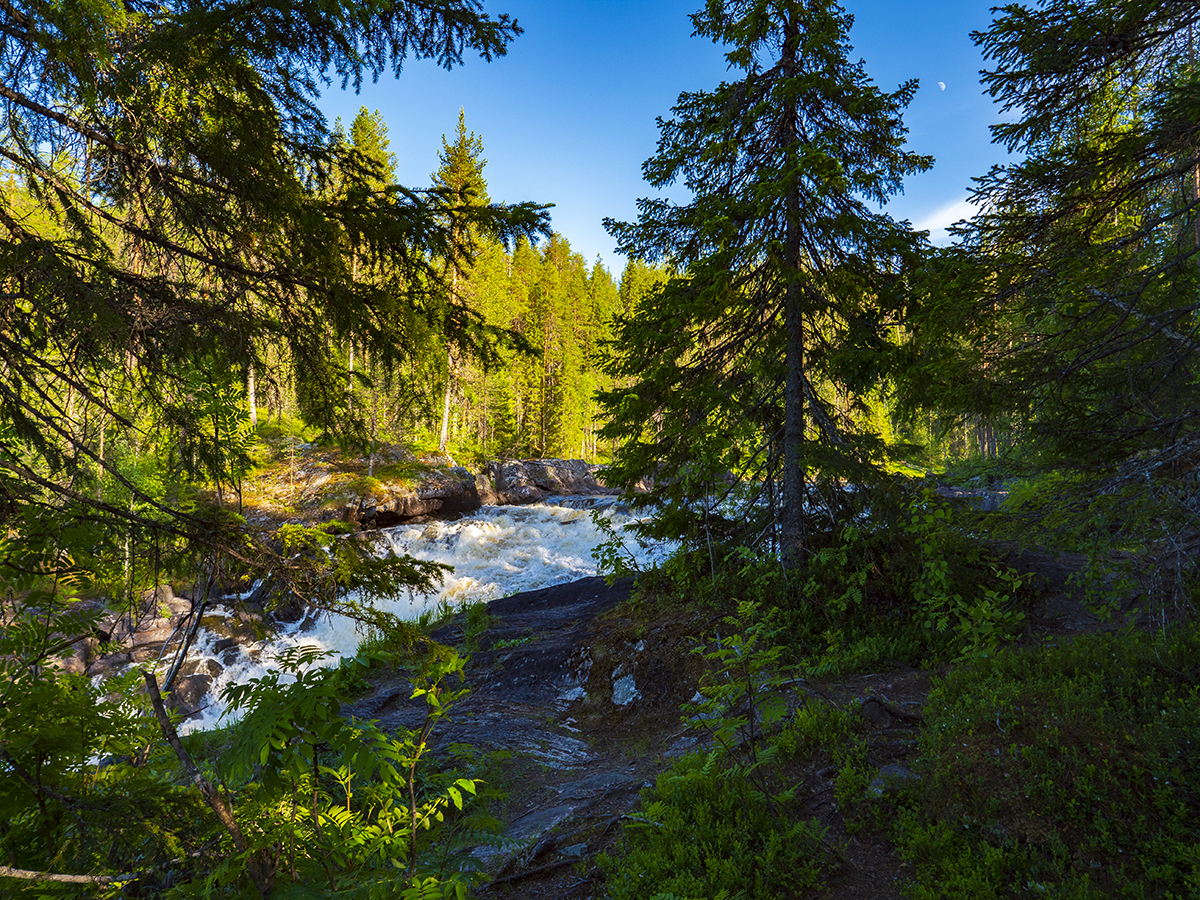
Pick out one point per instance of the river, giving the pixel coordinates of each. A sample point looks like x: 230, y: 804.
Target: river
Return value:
x: 499, y: 550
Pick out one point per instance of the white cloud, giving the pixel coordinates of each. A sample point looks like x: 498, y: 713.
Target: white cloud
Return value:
x: 943, y: 217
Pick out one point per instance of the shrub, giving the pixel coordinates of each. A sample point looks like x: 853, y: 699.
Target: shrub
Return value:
x: 1071, y: 771
x: 707, y: 831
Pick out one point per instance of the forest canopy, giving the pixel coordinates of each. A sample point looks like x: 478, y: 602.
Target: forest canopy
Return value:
x: 778, y: 378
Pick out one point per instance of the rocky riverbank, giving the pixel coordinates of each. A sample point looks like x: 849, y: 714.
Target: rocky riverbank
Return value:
x: 311, y: 484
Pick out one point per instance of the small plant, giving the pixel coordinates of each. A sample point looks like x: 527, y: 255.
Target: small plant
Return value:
x: 740, y: 692
x: 338, y: 802
x: 509, y: 643
x: 613, y: 557
x: 706, y: 830
x: 981, y: 615
x: 723, y: 823
x: 1062, y: 772
x: 476, y: 622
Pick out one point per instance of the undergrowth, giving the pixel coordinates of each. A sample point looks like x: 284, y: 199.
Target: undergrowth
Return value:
x: 1069, y: 771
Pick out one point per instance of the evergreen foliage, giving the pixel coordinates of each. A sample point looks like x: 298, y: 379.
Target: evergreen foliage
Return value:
x: 1073, y: 293
x: 189, y: 217
x: 757, y: 359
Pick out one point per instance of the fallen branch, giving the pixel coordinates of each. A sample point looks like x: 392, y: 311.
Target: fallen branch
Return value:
x: 28, y: 875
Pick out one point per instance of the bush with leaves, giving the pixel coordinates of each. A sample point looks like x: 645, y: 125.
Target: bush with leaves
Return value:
x: 86, y: 792
x: 723, y: 823
x: 1069, y: 771
x: 341, y: 807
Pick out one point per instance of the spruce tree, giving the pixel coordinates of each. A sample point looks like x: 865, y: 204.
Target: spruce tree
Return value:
x: 788, y: 279
x: 462, y: 190
x: 1077, y: 286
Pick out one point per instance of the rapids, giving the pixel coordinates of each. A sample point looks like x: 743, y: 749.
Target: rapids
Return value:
x: 499, y: 550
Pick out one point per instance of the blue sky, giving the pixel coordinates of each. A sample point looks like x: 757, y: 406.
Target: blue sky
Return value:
x: 568, y: 116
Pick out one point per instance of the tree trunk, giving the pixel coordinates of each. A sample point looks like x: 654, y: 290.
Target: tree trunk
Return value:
x: 258, y: 865
x: 444, y: 437
x: 374, y: 423
x: 445, y: 433
x: 252, y: 394
x: 100, y: 456
x: 793, y: 538
x: 350, y: 385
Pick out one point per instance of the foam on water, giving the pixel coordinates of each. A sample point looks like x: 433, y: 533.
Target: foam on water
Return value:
x: 496, y: 552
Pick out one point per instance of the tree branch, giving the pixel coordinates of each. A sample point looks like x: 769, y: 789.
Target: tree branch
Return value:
x: 262, y: 874
x: 29, y: 875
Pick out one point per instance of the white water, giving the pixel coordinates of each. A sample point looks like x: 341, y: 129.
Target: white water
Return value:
x: 498, y: 551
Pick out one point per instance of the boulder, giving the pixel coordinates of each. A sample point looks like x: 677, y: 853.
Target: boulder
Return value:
x: 438, y: 492
x: 518, y: 482
x: 189, y: 694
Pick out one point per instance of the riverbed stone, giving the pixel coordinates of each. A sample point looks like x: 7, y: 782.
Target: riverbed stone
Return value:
x: 189, y: 694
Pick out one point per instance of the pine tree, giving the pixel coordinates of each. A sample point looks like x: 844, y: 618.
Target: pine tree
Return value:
x: 788, y: 279
x: 369, y: 142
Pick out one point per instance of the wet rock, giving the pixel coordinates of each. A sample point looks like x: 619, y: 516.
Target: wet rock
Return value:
x: 597, y: 785
x: 188, y: 695
x: 232, y: 628
x: 444, y: 492
x: 531, y: 480
x: 207, y: 666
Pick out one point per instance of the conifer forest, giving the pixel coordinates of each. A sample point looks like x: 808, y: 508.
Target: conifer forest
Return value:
x: 917, y: 618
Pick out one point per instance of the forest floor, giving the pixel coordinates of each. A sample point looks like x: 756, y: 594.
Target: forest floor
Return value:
x: 589, y: 692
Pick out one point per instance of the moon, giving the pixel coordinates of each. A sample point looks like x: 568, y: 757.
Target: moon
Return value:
x: 942, y: 85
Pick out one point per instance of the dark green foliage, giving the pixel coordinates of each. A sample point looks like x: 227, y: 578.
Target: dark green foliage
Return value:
x: 1070, y: 771
x: 1069, y: 308
x: 707, y: 831
x: 788, y: 284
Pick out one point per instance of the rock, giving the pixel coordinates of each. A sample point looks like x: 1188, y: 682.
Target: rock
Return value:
x: 189, y: 694
x: 209, y: 667
x: 624, y: 689
x: 485, y: 487
x: 889, y: 779
x: 157, y: 636
x: 77, y: 662
x: 448, y: 491
x: 876, y: 713
x: 513, y: 482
